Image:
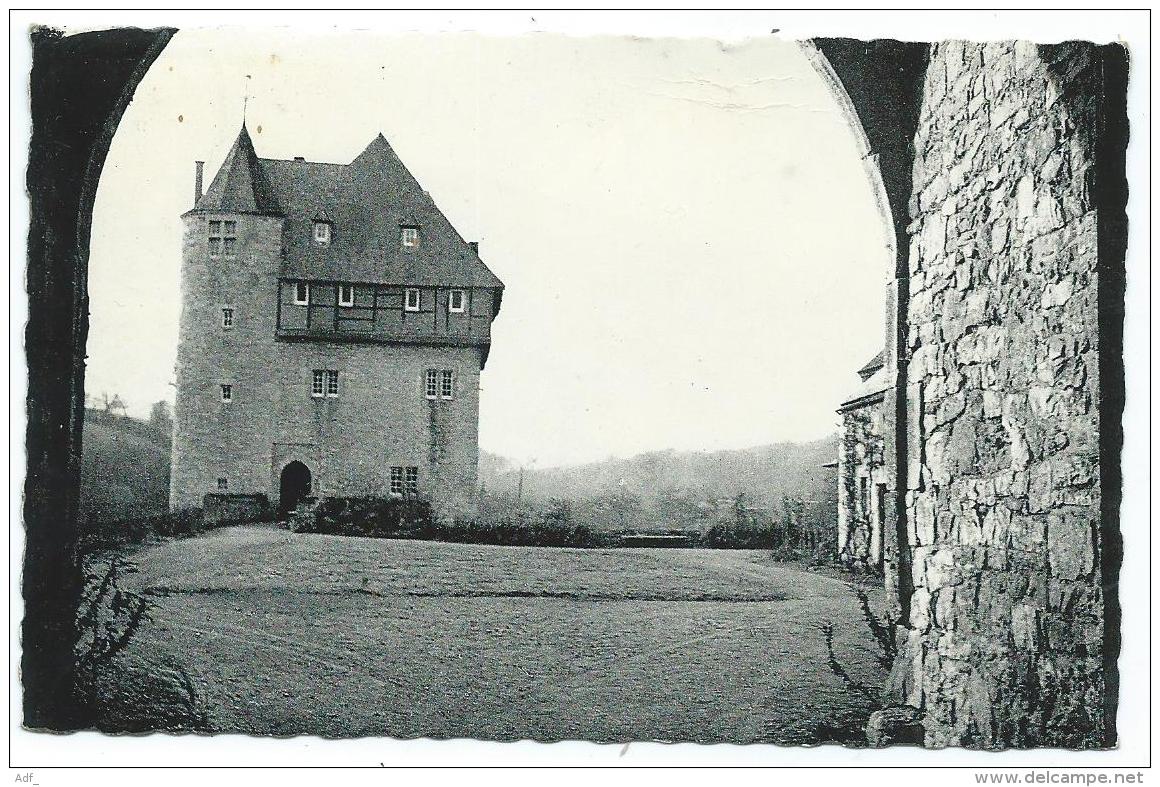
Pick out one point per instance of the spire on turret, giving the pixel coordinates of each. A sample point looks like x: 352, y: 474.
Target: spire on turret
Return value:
x: 241, y: 185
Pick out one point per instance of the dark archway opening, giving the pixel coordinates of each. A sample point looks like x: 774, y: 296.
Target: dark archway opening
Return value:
x: 295, y: 485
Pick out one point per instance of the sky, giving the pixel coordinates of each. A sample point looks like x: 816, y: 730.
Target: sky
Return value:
x: 688, y: 238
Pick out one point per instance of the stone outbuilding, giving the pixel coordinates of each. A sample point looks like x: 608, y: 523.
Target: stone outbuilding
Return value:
x: 864, y: 477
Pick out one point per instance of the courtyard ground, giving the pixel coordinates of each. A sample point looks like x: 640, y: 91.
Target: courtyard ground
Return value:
x: 287, y: 634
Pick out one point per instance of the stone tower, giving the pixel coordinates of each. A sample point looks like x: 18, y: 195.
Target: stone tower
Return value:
x: 333, y: 329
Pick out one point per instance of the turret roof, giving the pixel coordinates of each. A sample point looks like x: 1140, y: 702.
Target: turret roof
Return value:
x: 241, y: 185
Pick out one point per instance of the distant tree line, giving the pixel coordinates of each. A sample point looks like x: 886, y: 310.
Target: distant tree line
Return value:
x: 797, y: 528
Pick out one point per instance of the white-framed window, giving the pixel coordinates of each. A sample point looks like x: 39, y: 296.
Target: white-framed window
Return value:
x: 431, y: 384
x: 223, y: 484
x: 301, y: 293
x: 227, y: 392
x: 409, y: 236
x: 322, y: 233
x: 227, y: 317
x: 346, y: 295
x: 457, y: 301
x: 404, y: 480
x: 324, y: 382
x: 411, y: 299
x: 223, y: 238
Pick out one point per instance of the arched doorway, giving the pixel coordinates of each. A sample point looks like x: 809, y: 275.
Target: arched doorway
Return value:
x: 295, y: 485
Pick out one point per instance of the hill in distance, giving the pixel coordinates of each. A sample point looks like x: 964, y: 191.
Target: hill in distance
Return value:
x: 124, y: 468
x: 764, y: 474
x: 125, y: 473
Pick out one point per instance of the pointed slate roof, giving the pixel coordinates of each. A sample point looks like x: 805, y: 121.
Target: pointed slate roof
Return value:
x: 366, y: 201
x: 241, y: 185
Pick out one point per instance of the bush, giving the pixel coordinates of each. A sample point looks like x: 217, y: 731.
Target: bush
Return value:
x: 507, y: 532
x: 412, y: 517
x: 727, y: 536
x: 107, y: 618
x: 376, y: 517
x: 97, y: 536
x: 507, y: 520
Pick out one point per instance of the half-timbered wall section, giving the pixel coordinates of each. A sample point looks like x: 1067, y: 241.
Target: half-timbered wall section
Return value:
x: 377, y: 312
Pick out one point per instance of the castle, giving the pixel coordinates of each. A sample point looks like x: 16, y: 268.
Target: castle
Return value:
x: 333, y: 330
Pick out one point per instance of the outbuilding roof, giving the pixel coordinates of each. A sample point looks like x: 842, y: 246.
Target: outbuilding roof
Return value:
x: 873, y: 365
x: 875, y: 382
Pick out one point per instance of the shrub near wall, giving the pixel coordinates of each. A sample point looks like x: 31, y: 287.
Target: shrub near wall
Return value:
x: 507, y: 532
x: 96, y: 536
x: 375, y: 517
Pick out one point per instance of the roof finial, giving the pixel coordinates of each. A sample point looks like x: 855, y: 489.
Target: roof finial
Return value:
x: 245, y: 100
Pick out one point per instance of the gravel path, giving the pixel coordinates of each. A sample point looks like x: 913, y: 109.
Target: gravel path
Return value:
x: 287, y: 634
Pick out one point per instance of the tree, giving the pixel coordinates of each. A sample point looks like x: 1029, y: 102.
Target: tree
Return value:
x: 116, y: 407
x: 558, y: 513
x: 108, y: 406
x: 161, y: 417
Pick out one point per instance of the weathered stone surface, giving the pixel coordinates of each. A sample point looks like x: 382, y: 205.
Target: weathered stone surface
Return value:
x: 862, y: 470
x: 897, y: 724
x: 1005, y: 619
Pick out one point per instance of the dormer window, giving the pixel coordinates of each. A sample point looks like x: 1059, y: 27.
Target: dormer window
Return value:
x: 301, y: 293
x: 410, y: 236
x: 411, y: 299
x: 321, y: 233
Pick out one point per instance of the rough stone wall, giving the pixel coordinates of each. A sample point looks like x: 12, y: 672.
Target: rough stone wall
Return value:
x: 861, y: 471
x: 380, y: 419
x: 213, y: 439
x: 1006, y: 617
x: 226, y: 508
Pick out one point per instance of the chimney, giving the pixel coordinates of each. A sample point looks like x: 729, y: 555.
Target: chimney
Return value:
x: 198, y: 168
x: 300, y: 158
x: 474, y: 244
